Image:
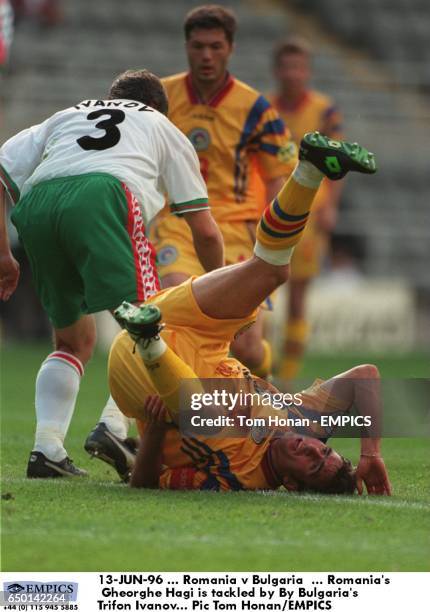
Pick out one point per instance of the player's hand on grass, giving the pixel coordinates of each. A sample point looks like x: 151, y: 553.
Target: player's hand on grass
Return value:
x: 155, y: 411
x: 372, y: 471
x: 9, y: 275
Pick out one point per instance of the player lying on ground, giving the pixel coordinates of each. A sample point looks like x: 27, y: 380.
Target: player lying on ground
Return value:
x: 266, y: 457
x: 201, y: 317
x: 85, y: 183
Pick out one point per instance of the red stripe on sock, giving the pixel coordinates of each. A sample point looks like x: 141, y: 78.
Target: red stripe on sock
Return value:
x: 70, y: 359
x: 284, y: 227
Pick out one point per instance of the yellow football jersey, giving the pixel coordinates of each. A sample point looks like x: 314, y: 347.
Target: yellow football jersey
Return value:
x: 314, y: 112
x: 213, y: 463
x: 236, y: 134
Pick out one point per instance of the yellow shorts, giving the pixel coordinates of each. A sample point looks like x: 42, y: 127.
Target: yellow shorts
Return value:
x: 202, y: 342
x: 173, y: 243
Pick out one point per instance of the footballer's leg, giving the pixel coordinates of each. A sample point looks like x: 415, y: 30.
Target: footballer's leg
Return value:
x: 109, y: 440
x: 166, y: 370
x: 57, y: 387
x: 59, y: 287
x: 279, y: 230
x: 297, y: 328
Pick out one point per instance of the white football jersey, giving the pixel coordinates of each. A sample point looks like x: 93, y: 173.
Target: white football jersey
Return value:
x: 127, y: 139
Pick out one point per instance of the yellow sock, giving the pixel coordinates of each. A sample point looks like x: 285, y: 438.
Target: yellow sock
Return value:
x: 297, y: 332
x: 283, y: 222
x: 167, y: 373
x: 264, y: 369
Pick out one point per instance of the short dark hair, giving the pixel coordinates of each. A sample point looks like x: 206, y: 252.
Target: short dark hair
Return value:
x: 142, y: 86
x: 290, y: 46
x: 209, y: 17
x: 342, y: 483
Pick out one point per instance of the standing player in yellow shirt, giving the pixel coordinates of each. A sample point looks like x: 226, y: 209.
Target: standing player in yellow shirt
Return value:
x: 236, y: 134
x: 304, y: 110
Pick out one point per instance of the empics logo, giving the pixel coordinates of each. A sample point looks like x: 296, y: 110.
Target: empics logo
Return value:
x: 15, y: 588
x: 40, y: 592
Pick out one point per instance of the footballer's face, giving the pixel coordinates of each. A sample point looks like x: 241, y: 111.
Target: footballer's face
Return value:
x: 293, y: 72
x: 208, y: 53
x: 303, y: 461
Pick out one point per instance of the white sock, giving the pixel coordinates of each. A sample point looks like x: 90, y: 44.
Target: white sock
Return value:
x: 155, y: 348
x: 272, y: 257
x: 115, y: 420
x: 57, y: 386
x: 307, y: 175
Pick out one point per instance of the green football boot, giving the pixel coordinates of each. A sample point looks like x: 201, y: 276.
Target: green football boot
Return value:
x: 336, y: 157
x: 141, y: 322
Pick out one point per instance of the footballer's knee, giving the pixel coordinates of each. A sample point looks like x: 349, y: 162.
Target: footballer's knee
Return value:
x: 273, y: 275
x: 81, y: 345
x: 82, y: 350
x: 282, y: 274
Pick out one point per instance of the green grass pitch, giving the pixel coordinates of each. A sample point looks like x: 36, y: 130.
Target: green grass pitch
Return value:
x: 96, y: 524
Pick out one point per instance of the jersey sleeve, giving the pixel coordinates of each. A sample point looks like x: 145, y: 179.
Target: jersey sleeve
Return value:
x: 180, y: 172
x: 271, y: 140
x: 20, y: 156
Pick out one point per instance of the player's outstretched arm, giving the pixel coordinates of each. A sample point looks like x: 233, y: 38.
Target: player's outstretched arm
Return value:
x: 207, y: 239
x: 147, y: 468
x: 359, y: 387
x: 9, y: 267
x: 367, y: 400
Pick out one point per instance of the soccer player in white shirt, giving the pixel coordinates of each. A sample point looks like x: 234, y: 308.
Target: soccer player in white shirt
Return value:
x: 85, y: 183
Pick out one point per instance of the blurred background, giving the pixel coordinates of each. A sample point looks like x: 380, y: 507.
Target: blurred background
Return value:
x: 372, y: 57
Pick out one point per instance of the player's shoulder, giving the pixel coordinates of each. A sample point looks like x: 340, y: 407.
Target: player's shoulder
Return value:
x: 320, y: 99
x: 246, y: 91
x: 57, y: 119
x: 246, y: 96
x: 174, y: 80
x: 175, y: 136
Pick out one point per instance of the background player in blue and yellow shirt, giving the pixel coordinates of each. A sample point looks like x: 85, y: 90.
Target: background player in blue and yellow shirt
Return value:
x: 236, y: 134
x: 304, y: 110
